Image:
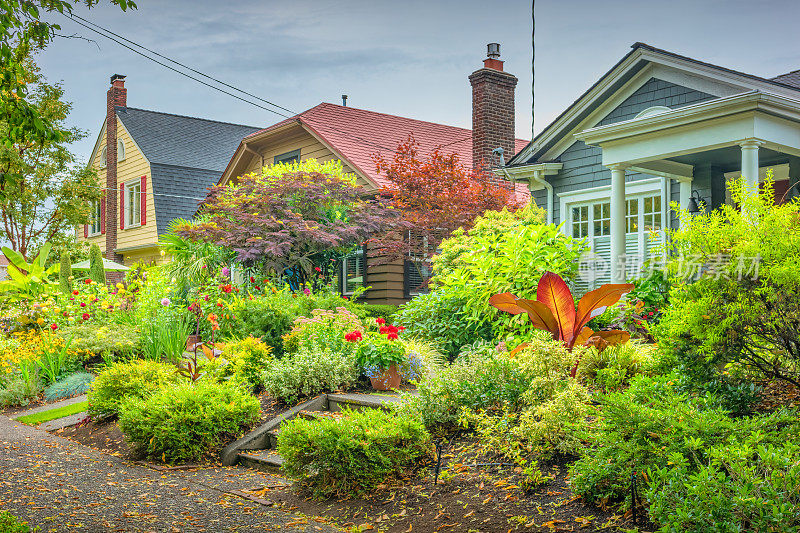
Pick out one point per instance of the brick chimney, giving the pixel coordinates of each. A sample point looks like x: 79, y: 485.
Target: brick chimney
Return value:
x: 492, y: 110
x: 117, y: 96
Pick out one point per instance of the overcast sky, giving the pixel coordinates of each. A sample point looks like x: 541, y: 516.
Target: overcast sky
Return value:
x: 409, y: 58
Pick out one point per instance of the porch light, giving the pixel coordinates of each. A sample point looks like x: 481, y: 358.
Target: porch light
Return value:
x: 696, y: 203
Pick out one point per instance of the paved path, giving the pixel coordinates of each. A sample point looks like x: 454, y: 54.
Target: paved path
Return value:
x: 60, y: 485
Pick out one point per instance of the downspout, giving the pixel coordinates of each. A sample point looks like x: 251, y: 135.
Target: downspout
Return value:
x: 541, y: 181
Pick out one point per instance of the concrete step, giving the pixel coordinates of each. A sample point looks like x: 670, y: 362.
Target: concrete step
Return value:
x: 357, y: 401
x: 319, y: 415
x: 265, y: 460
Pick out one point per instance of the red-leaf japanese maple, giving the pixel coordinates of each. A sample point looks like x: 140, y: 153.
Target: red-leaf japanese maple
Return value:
x: 554, y: 310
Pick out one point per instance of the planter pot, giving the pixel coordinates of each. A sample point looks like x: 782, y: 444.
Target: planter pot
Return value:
x: 388, y: 380
x: 191, y: 341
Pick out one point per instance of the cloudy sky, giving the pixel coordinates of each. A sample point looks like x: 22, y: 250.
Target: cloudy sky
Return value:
x: 409, y: 58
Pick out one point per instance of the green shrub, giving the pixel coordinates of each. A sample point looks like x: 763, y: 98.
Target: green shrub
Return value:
x: 614, y: 367
x: 351, y: 455
x: 246, y: 359
x: 645, y: 426
x: 740, y: 487
x: 72, y: 385
x: 368, y: 312
x: 268, y: 319
x: 110, y: 340
x: 440, y: 318
x: 10, y: 524
x: 187, y: 422
x: 65, y: 273
x: 17, y: 388
x: 323, y: 330
x: 97, y: 271
x: 307, y: 373
x: 119, y: 381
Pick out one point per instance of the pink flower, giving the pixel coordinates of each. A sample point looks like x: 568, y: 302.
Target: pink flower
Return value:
x: 306, y: 291
x: 53, y: 327
x: 83, y: 304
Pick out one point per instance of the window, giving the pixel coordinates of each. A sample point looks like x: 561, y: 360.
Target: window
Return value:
x: 652, y: 213
x: 103, y: 153
x: 353, y: 272
x: 94, y: 219
x: 580, y: 221
x: 120, y: 150
x: 632, y: 215
x: 133, y: 204
x: 288, y: 157
x: 602, y: 219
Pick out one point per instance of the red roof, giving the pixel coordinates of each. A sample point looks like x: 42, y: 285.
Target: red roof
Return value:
x: 358, y: 135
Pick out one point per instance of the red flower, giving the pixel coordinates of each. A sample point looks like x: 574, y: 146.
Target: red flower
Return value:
x: 257, y: 288
x: 401, y: 328
x: 83, y: 304
x: 391, y: 336
x: 318, y: 269
x: 345, y: 297
x: 219, y: 305
x: 227, y: 288
x: 53, y: 327
x: 380, y: 321
x: 383, y: 329
x: 650, y: 313
x: 87, y: 281
x: 252, y: 279
x: 237, y: 289
x: 85, y: 316
x: 76, y: 292
x: 353, y: 336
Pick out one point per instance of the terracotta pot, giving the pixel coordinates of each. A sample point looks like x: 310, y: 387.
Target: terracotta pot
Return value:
x: 191, y: 341
x: 389, y: 380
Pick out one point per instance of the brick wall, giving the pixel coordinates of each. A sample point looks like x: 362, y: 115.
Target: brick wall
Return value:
x: 492, y: 113
x: 116, y: 96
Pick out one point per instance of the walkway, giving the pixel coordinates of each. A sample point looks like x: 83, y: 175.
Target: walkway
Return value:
x: 60, y: 485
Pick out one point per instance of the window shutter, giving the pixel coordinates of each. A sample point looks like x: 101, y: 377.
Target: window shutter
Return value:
x: 121, y: 206
x: 85, y: 230
x: 103, y: 213
x: 143, y: 203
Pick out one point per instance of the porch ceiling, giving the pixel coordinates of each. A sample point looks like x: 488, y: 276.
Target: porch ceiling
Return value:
x: 729, y: 159
x: 715, y: 128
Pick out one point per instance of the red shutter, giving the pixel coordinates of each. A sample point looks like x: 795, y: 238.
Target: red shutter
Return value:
x: 103, y: 213
x: 85, y: 231
x: 143, y: 205
x: 121, y: 206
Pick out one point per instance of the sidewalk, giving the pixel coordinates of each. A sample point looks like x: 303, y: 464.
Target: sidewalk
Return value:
x: 60, y: 485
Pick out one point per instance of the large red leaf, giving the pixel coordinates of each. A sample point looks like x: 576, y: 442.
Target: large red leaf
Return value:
x: 506, y: 302
x: 595, y: 302
x: 553, y: 292
x: 583, y: 336
x: 614, y: 336
x: 541, y: 317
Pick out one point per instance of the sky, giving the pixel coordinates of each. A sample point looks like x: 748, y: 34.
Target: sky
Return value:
x: 409, y: 58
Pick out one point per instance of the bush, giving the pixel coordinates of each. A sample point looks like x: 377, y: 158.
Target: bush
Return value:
x: 247, y: 359
x: 648, y: 424
x: 368, y: 312
x: 268, y: 319
x: 614, y: 367
x: 17, y: 388
x: 72, y: 385
x: 110, y: 340
x: 97, y: 271
x: 309, y: 372
x: 187, y: 422
x: 429, y: 360
x: 118, y: 381
x: 323, y: 330
x: 352, y: 455
x: 10, y: 524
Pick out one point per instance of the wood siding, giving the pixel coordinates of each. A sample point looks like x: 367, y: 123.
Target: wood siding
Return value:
x: 387, y: 283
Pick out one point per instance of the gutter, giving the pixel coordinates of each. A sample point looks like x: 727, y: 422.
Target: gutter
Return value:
x: 538, y: 178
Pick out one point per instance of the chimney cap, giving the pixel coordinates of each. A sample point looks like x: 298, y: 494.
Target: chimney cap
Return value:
x: 493, y: 50
x: 117, y: 77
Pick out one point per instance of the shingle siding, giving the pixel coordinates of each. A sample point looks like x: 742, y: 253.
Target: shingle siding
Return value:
x: 583, y: 165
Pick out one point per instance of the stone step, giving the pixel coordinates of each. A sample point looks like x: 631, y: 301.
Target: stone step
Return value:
x: 319, y: 415
x: 356, y: 401
x: 265, y: 460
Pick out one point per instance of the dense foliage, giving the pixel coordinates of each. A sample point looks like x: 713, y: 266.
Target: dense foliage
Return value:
x: 119, y: 381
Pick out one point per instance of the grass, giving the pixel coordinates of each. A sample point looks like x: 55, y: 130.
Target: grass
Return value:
x: 61, y: 412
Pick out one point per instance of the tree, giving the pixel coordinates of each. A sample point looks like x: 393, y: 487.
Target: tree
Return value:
x: 437, y: 195
x: 51, y: 192
x: 97, y: 271
x: 23, y: 32
x: 291, y: 216
x: 65, y: 273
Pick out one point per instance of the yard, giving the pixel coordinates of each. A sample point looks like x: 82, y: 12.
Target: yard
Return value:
x: 503, y: 402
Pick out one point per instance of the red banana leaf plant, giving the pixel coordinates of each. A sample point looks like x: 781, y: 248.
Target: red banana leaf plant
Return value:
x: 554, y: 310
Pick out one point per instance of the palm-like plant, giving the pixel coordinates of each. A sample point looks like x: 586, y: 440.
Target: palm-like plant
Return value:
x: 190, y: 258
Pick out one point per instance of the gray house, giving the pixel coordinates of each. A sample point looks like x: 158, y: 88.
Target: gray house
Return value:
x: 656, y: 128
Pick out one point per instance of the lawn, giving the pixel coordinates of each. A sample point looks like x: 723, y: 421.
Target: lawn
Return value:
x: 45, y: 416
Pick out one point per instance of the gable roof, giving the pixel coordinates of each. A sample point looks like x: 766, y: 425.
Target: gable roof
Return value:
x: 358, y: 134
x: 183, y: 141
x: 609, y: 83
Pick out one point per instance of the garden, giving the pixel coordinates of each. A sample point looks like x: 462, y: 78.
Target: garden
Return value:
x: 668, y: 403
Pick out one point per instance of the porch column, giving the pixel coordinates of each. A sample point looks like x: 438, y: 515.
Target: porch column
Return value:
x: 617, y: 224
x: 686, y: 195
x: 750, y: 162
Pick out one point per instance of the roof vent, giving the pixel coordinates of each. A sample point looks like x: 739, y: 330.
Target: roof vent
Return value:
x: 493, y: 50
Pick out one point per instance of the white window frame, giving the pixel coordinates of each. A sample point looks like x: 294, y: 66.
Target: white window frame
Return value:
x: 103, y: 156
x: 359, y: 254
x: 95, y: 226
x: 120, y: 150
x: 133, y: 186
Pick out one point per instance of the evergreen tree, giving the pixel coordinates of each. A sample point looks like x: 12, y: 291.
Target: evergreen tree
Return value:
x: 65, y: 274
x: 96, y: 271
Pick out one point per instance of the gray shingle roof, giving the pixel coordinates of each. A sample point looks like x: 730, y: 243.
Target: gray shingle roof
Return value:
x: 790, y: 78
x: 187, y: 156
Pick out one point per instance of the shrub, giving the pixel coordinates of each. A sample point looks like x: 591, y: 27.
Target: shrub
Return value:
x: 372, y: 311
x: 18, y: 388
x: 246, y: 358
x: 97, y: 271
x: 187, y: 422
x: 110, y: 340
x: 10, y: 524
x: 352, y: 455
x: 648, y: 424
x: 268, y: 319
x: 614, y: 367
x: 72, y: 385
x: 65, y: 273
x: 119, y: 381
x: 323, y: 330
x: 309, y: 372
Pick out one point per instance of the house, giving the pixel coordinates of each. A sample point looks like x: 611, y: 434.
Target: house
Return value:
x: 155, y: 167
x: 657, y: 128
x: 355, y: 136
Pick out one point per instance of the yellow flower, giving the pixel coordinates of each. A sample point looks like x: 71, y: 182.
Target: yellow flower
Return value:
x: 121, y: 291
x: 40, y: 321
x: 120, y: 285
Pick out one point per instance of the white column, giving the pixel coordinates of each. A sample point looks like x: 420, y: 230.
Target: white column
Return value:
x: 750, y: 162
x: 686, y: 195
x: 617, y: 224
